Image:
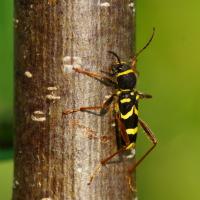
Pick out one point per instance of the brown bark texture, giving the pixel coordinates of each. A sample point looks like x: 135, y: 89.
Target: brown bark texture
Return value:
x: 54, y: 154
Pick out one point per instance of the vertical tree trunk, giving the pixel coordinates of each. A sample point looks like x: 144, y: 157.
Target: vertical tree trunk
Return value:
x: 55, y: 154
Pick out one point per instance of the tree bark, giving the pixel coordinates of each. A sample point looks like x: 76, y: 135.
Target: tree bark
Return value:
x: 54, y: 154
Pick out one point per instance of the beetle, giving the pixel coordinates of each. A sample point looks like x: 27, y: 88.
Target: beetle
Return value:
x: 123, y: 78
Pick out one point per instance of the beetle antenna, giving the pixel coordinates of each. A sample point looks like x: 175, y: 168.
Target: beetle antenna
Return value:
x: 113, y: 53
x: 147, y: 44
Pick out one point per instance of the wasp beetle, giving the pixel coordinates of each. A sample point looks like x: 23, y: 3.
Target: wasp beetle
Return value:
x: 122, y: 77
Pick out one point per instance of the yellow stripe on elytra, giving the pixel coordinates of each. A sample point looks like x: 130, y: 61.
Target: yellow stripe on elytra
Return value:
x: 130, y: 146
x: 136, y: 111
x: 125, y: 72
x: 132, y: 131
x: 128, y: 114
x: 125, y: 100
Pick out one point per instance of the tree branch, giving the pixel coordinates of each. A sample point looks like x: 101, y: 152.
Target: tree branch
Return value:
x: 54, y: 154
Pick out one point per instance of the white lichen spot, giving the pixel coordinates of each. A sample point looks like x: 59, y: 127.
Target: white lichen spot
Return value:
x: 66, y: 59
x: 70, y: 62
x: 16, y: 21
x: 38, y: 112
x: 38, y: 119
x: 105, y: 4
x: 136, y: 198
x: 28, y: 74
x: 52, y: 88
x: 52, y: 97
x: 31, y: 6
x: 74, y: 60
x: 113, y: 124
x: 68, y: 68
x: 79, y: 170
x: 107, y: 96
x: 16, y: 182
x: 38, y: 116
x: 46, y: 198
x: 131, y: 4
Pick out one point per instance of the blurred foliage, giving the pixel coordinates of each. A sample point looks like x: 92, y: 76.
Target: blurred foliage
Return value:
x: 6, y: 72
x: 6, y: 169
x: 169, y: 70
x: 6, y: 133
x: 6, y: 98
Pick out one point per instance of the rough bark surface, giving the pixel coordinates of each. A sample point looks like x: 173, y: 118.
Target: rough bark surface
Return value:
x: 55, y: 154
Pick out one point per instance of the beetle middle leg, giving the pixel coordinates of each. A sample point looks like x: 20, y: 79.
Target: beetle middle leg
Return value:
x: 103, y: 108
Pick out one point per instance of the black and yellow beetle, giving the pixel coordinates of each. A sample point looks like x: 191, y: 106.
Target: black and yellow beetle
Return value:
x: 122, y: 78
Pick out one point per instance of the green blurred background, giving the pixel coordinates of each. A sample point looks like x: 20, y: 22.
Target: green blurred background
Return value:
x: 169, y: 70
x: 6, y: 98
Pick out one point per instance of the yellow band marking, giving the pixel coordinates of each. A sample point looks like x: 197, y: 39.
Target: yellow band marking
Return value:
x: 130, y: 146
x: 136, y: 111
x: 125, y: 72
x: 128, y: 114
x: 125, y: 100
x: 137, y: 97
x: 132, y: 131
